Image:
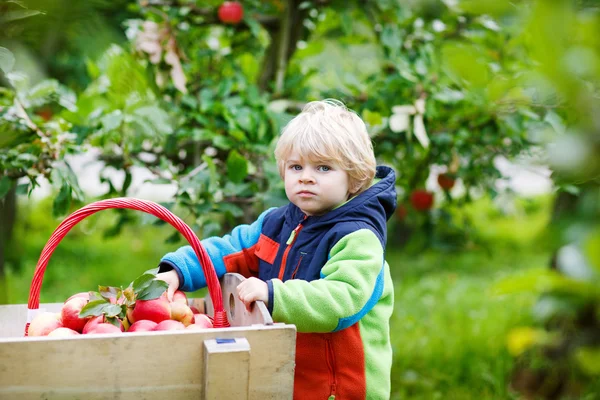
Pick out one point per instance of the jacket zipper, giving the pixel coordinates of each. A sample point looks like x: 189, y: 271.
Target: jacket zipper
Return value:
x: 331, y: 365
x: 297, y: 266
x: 289, y: 243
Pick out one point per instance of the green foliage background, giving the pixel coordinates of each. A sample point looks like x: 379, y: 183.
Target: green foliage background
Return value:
x: 167, y: 87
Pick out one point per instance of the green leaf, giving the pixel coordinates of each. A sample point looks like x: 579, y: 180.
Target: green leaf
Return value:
x: 16, y: 15
x: 113, y: 321
x: 157, y: 117
x: 113, y: 310
x: 62, y: 202
x: 5, y: 185
x: 126, y: 182
x: 109, y: 292
x: 112, y: 121
x: 22, y: 188
x: 152, y: 271
x: 237, y: 167
x: 129, y: 295
x: 234, y: 210
x: 94, y: 308
x: 7, y: 60
x: 142, y: 281
x: 175, y: 237
x: 154, y: 290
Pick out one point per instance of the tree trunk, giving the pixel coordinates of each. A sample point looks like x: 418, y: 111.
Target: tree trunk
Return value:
x: 8, y: 213
x: 284, y: 38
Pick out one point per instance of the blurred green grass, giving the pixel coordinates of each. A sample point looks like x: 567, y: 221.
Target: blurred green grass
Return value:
x: 448, y: 329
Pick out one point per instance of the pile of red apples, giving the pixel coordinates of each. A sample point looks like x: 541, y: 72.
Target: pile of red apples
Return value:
x: 158, y: 314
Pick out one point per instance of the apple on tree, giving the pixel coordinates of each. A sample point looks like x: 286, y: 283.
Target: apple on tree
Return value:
x: 231, y: 12
x: 446, y: 181
x: 421, y: 199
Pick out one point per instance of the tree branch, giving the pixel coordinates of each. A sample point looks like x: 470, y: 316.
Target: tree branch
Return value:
x: 282, y: 51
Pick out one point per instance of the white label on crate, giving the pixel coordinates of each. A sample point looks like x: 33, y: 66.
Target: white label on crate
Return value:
x: 31, y: 314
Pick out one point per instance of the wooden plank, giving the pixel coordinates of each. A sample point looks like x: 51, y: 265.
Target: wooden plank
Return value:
x: 237, y: 313
x: 149, y: 365
x: 226, y: 369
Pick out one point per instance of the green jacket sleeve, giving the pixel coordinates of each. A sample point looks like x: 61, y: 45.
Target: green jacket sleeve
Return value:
x: 351, y: 284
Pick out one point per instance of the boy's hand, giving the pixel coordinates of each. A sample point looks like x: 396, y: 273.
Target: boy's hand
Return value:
x: 172, y: 280
x: 251, y: 290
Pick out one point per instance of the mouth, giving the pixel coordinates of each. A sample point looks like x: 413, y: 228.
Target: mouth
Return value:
x: 306, y: 193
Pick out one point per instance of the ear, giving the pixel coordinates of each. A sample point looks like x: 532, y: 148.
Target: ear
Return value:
x: 355, y: 187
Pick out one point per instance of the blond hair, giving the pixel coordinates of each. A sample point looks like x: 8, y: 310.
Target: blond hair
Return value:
x: 328, y: 131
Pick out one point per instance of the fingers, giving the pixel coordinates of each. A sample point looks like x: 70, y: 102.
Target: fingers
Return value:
x: 246, y: 294
x: 171, y: 292
x: 172, y: 280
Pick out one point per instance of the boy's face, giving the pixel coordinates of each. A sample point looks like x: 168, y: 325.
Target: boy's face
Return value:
x: 315, y: 187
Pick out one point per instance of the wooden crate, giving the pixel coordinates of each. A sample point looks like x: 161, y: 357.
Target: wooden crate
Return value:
x: 253, y: 359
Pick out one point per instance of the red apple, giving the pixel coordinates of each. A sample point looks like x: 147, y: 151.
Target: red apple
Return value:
x: 231, y: 12
x: 182, y: 313
x: 44, y: 323
x: 63, y: 332
x: 156, y: 310
x: 142, y: 325
x: 83, y: 295
x: 421, y: 199
x: 180, y: 297
x: 169, y: 325
x: 446, y: 181
x: 203, y: 320
x: 195, y: 310
x: 70, y: 314
x: 95, y: 321
x: 104, y: 327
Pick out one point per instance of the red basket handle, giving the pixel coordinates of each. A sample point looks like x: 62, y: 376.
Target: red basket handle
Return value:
x: 214, y: 288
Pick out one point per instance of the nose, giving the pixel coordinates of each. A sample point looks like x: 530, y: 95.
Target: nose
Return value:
x: 306, y: 176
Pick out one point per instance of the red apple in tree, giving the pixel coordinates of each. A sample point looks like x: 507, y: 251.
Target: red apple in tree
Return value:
x: 70, y: 314
x: 182, y: 313
x: 44, y: 323
x: 63, y: 332
x: 156, y: 310
x: 421, y: 199
x: 104, y: 327
x: 203, y: 321
x: 446, y: 181
x: 169, y: 325
x: 231, y: 12
x: 142, y: 325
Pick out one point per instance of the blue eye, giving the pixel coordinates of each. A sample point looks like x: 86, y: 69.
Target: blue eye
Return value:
x: 295, y: 167
x: 324, y: 168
